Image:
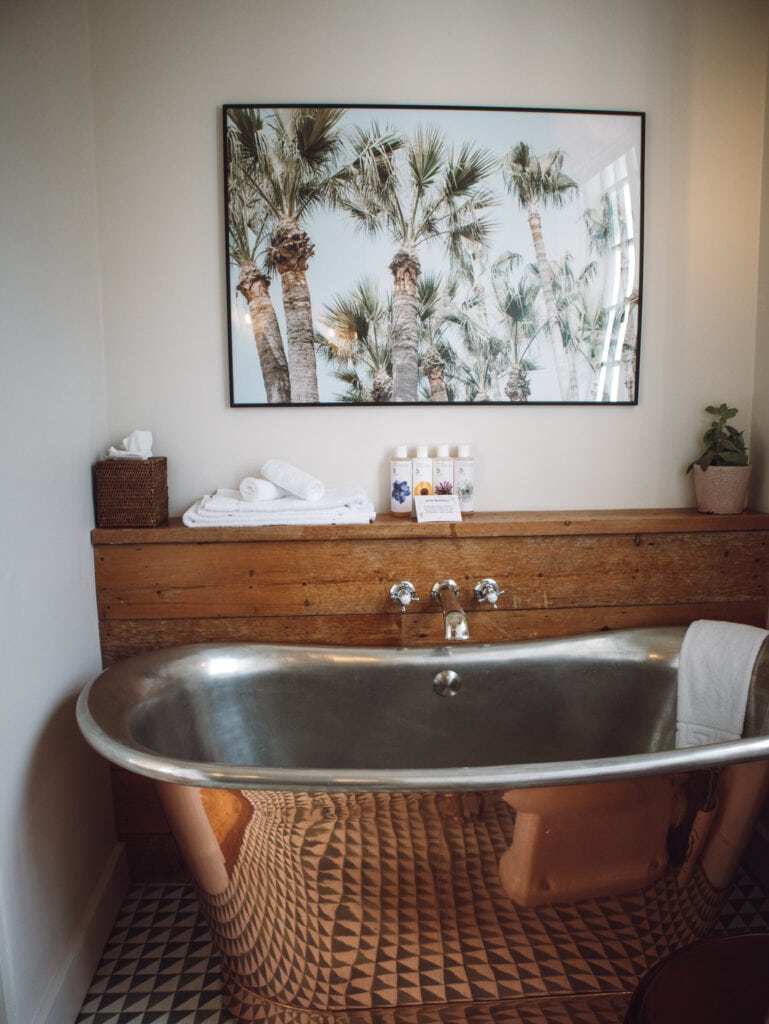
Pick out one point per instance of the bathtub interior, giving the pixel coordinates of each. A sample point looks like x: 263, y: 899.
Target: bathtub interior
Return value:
x: 350, y: 709
x: 398, y: 722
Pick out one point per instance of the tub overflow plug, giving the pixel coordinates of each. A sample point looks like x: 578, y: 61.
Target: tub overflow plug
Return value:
x: 403, y: 593
x: 447, y: 683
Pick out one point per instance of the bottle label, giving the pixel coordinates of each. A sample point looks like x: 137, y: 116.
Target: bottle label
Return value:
x: 423, y: 476
x: 465, y: 486
x: 400, y: 488
x: 443, y: 476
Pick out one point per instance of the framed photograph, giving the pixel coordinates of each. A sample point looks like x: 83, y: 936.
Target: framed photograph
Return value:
x: 433, y: 255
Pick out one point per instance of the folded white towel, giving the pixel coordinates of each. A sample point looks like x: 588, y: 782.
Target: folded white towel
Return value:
x: 138, y: 445
x: 292, y: 479
x: 222, y: 509
x: 254, y: 488
x: 714, y: 672
x: 230, y: 502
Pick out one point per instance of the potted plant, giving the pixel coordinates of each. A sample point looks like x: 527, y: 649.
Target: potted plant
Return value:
x: 721, y: 472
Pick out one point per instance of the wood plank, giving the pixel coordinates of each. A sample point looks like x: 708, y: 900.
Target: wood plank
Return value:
x: 345, y: 577
x: 498, y: 524
x: 123, y: 638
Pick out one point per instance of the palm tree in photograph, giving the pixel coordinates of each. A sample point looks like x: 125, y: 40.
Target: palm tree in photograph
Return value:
x: 291, y: 161
x: 537, y: 182
x: 437, y: 358
x: 247, y: 233
x: 610, y: 236
x: 419, y: 193
x: 518, y: 323
x: 484, y: 351
x: 580, y: 317
x: 356, y: 343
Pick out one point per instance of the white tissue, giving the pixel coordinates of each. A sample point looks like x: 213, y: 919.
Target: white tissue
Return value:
x: 293, y: 480
x: 138, y: 445
x: 254, y: 488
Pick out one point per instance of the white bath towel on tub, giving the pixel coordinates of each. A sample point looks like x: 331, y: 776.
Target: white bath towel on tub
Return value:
x: 714, y: 672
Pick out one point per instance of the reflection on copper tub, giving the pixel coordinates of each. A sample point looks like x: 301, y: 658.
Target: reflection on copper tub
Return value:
x: 370, y: 851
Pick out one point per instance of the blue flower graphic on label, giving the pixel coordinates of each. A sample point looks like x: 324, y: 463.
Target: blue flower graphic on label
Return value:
x: 401, y: 491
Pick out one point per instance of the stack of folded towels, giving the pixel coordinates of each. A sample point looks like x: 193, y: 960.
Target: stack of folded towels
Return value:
x: 282, y: 495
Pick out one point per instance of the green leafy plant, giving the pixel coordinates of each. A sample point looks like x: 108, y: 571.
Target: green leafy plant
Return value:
x: 724, y: 444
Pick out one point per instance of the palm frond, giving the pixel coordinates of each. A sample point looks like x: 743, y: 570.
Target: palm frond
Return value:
x: 466, y: 172
x: 425, y: 158
x: 534, y: 179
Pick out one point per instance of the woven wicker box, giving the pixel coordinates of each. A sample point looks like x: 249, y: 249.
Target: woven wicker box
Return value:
x: 131, y: 492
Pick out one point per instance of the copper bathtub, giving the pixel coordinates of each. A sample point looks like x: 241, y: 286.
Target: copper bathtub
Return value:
x: 467, y: 833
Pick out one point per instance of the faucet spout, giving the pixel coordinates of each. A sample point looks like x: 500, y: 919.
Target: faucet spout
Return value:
x: 455, y: 622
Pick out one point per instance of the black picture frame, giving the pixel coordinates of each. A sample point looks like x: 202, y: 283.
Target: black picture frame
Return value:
x: 391, y: 255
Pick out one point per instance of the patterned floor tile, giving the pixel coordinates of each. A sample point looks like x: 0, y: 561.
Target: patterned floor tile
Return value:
x: 159, y: 966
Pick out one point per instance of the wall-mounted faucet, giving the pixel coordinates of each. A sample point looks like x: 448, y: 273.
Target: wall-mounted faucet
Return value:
x: 446, y: 594
x: 455, y: 624
x: 403, y: 593
x: 487, y: 592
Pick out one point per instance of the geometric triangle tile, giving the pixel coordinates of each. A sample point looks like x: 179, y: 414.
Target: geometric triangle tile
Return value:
x: 159, y: 965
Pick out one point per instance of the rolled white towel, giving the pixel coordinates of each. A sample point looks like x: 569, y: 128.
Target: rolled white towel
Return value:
x: 254, y: 488
x: 293, y: 480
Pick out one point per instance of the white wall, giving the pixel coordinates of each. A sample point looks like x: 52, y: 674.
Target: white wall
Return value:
x: 58, y: 857
x: 161, y: 73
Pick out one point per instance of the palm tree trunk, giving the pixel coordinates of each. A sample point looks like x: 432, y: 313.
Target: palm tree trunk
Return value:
x: 405, y: 269
x: 517, y: 388
x: 626, y: 353
x: 254, y: 286
x: 434, y: 369
x: 629, y: 346
x: 290, y: 251
x: 565, y: 366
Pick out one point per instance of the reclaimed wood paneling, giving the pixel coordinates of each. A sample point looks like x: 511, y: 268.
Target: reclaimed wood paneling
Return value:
x: 564, y: 573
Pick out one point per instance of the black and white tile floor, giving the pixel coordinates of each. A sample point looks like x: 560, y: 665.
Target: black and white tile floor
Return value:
x: 159, y: 966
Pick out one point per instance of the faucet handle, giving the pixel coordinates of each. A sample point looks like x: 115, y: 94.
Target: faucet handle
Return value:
x: 487, y: 592
x: 403, y: 593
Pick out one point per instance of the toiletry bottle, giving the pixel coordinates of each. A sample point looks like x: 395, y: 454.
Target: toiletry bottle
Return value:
x: 401, y: 500
x: 464, y: 479
x: 443, y: 471
x: 422, y: 472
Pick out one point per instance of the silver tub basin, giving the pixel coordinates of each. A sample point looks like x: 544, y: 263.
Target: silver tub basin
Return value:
x: 334, y: 718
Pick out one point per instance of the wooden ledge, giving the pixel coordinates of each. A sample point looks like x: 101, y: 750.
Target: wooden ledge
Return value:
x: 480, y: 524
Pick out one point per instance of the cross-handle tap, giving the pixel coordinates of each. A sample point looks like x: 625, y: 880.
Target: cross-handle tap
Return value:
x: 487, y: 592
x: 403, y: 593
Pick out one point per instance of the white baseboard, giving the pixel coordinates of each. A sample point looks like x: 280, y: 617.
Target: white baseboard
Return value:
x: 64, y: 997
